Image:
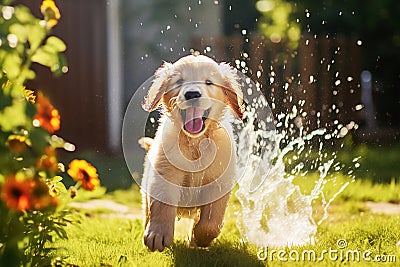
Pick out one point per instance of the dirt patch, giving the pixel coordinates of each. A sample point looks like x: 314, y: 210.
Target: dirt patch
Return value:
x: 114, y: 209
x: 383, y: 207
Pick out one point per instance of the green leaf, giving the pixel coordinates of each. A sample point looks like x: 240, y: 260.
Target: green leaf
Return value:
x: 5, y: 99
x: 56, y: 179
x: 30, y: 110
x: 39, y: 138
x: 36, y: 36
x: 56, y: 43
x: 29, y: 74
x: 49, y: 55
x: 60, y: 187
x: 13, y: 116
x: 12, y: 64
x: 56, y: 141
x: 20, y: 31
x: 45, y: 57
x: 61, y: 67
x: 24, y: 15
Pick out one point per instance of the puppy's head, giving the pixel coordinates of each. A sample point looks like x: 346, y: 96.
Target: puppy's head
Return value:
x: 195, y: 92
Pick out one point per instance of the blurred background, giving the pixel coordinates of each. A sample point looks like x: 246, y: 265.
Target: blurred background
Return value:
x: 338, y: 59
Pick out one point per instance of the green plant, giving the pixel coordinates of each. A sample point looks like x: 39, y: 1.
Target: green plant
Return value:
x: 32, y: 196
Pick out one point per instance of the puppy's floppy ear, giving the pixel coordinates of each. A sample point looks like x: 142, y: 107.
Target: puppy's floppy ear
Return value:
x: 157, y: 88
x: 233, y: 92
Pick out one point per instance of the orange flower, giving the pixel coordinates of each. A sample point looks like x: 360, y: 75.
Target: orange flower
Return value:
x: 30, y: 96
x: 47, y: 116
x: 50, y: 12
x: 17, y: 194
x: 83, y: 172
x: 17, y: 143
x: 41, y: 197
x: 48, y: 161
x: 27, y: 194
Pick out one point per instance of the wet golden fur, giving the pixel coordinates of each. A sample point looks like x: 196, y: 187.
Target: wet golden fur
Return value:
x: 217, y: 82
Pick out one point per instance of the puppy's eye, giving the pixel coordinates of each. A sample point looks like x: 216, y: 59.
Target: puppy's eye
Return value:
x: 180, y: 81
x: 208, y: 82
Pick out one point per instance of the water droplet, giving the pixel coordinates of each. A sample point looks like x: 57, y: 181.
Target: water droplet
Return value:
x: 168, y: 27
x: 343, y: 132
x: 359, y: 42
x: 359, y: 107
x: 8, y: 12
x: 64, y: 69
x: 244, y: 32
x: 12, y: 40
x: 286, y: 86
x: 69, y: 147
x: 337, y: 82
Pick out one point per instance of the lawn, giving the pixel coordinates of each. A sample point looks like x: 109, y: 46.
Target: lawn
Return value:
x: 352, y: 235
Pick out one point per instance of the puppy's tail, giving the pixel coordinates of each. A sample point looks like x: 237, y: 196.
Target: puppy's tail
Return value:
x: 145, y: 142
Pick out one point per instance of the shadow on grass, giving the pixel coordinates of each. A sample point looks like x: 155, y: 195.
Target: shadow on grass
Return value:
x: 219, y: 254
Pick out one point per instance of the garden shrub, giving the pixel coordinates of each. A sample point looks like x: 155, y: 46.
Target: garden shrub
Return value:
x: 33, y: 197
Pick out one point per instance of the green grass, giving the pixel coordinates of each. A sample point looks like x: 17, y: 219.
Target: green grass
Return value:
x: 102, y: 239
x: 99, y: 240
x: 357, y: 189
x: 379, y: 164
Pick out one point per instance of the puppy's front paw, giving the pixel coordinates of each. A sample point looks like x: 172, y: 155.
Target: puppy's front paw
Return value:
x: 157, y: 237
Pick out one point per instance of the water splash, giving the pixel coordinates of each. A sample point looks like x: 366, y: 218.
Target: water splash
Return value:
x: 275, y: 212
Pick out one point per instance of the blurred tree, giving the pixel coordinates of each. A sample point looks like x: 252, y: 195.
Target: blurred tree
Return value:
x: 238, y: 15
x: 276, y: 22
x: 375, y: 23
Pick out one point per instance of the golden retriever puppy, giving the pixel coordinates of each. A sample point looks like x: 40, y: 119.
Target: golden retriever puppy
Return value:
x: 190, y: 165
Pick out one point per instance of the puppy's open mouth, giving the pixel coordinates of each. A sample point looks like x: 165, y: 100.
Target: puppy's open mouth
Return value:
x: 194, y: 119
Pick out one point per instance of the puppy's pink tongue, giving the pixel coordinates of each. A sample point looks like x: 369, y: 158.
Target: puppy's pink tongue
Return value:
x: 193, y: 120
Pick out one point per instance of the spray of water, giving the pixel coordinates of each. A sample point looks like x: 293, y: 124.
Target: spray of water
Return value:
x: 275, y: 212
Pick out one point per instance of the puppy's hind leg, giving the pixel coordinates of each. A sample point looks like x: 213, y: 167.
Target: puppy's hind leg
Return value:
x: 210, y: 223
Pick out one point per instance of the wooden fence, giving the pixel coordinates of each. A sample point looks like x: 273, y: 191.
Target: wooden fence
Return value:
x: 322, y: 72
x: 80, y: 94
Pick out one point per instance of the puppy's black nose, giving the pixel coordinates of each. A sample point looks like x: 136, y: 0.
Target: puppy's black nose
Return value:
x: 192, y: 94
